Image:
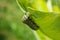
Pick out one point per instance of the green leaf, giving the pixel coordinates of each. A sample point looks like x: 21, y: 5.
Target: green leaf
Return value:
x: 40, y: 5
x: 48, y: 22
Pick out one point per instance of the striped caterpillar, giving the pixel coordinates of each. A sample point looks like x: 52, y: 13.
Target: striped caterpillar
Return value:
x: 28, y: 20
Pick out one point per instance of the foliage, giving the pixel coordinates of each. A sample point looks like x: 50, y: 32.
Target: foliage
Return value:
x: 40, y: 12
x: 10, y: 22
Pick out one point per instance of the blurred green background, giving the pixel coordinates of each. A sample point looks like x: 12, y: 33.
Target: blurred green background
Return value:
x: 10, y: 11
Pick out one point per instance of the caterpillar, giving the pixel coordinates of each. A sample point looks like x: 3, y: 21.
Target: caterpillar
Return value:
x: 28, y: 20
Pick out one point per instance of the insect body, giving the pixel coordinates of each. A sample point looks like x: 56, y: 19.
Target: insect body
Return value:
x: 28, y: 20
